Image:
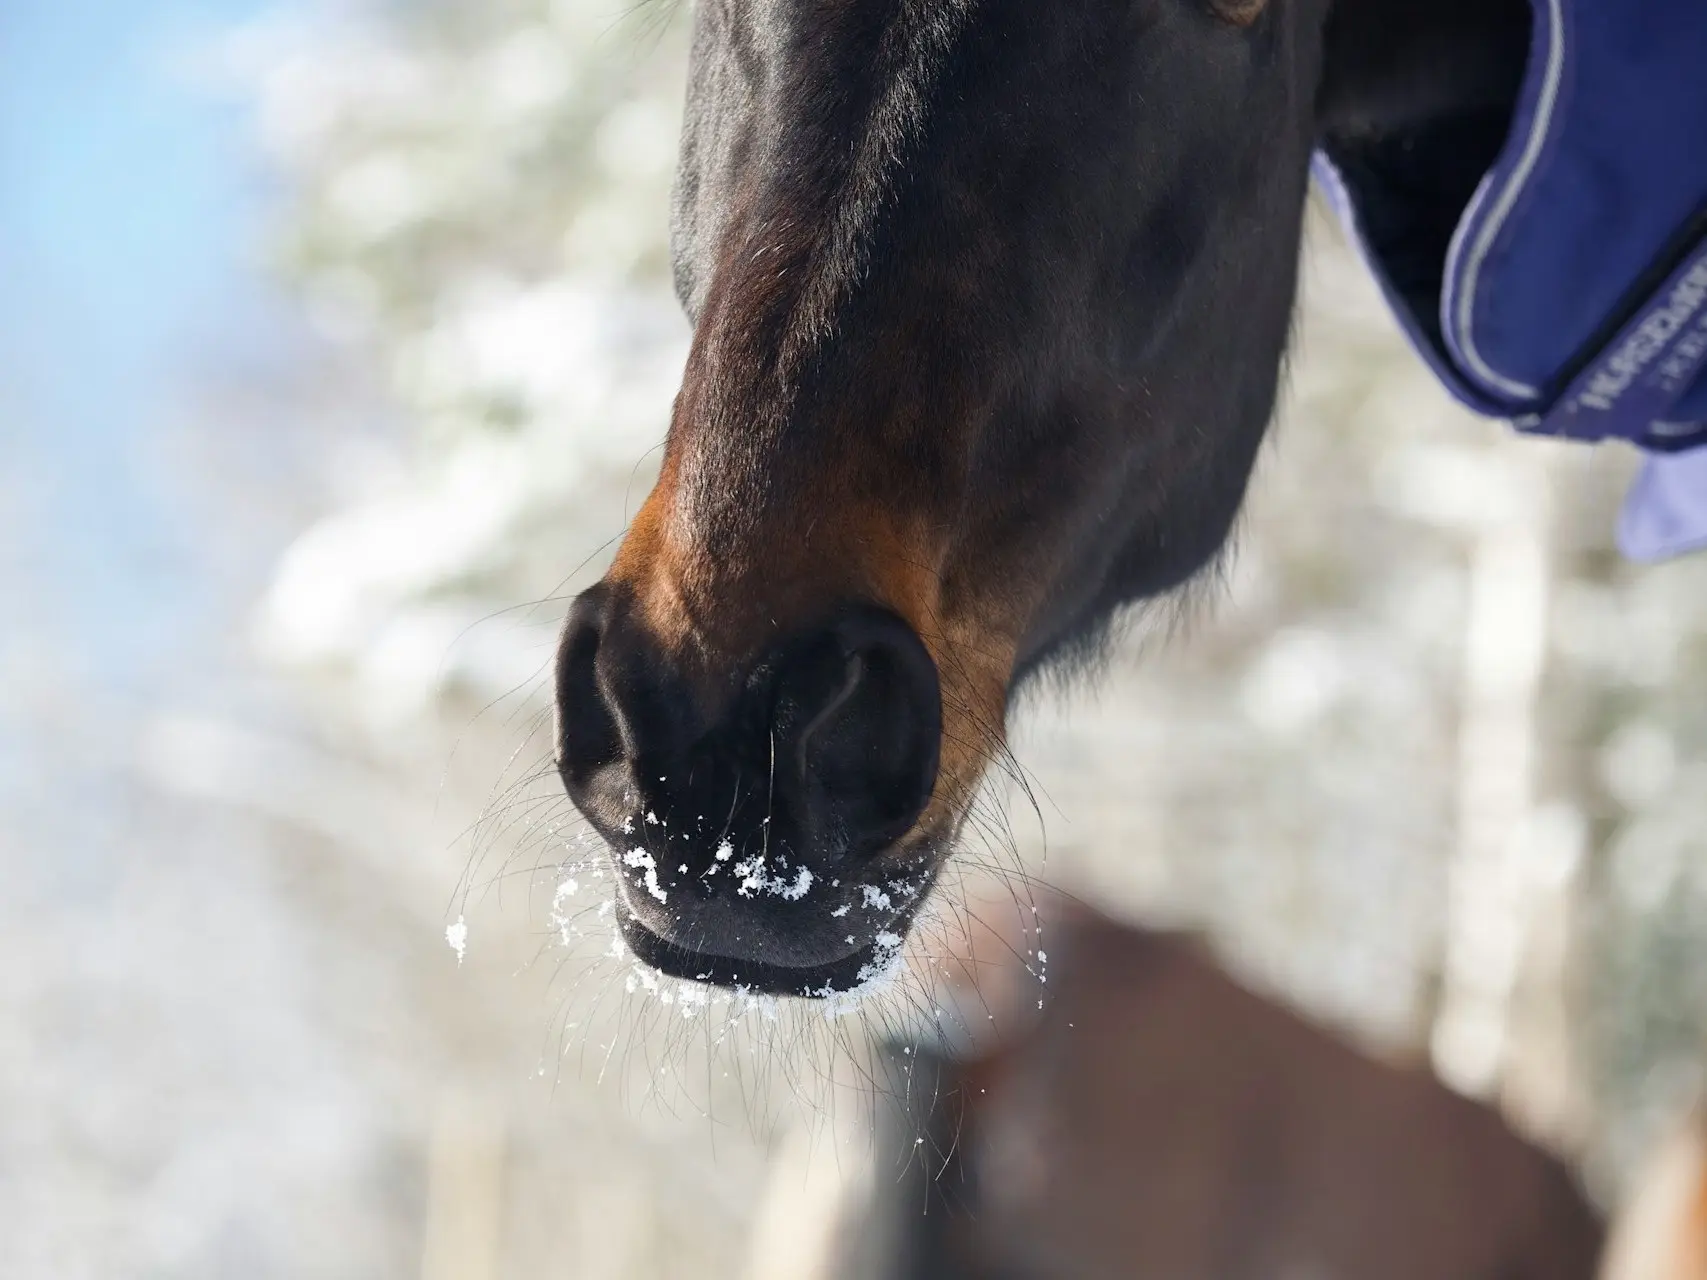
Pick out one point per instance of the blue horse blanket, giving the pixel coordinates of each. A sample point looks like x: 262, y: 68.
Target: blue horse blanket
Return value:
x: 1569, y: 292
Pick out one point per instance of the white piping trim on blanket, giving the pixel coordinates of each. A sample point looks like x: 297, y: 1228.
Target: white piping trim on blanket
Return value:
x: 1459, y: 302
x: 1673, y: 430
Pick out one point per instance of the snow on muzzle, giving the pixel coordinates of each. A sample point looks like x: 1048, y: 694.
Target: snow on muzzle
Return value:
x: 766, y: 826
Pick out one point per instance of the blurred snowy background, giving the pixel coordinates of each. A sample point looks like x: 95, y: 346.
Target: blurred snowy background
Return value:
x: 337, y: 344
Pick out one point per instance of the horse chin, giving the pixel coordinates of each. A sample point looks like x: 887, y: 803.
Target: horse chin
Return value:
x: 816, y: 936
x: 814, y: 981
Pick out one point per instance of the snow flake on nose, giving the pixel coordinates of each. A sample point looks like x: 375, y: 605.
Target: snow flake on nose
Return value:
x: 643, y: 861
x: 755, y: 880
x: 875, y: 898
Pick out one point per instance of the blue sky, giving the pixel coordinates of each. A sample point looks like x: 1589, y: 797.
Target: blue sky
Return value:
x: 128, y: 215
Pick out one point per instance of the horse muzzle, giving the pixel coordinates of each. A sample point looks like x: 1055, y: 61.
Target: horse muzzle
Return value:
x: 762, y: 815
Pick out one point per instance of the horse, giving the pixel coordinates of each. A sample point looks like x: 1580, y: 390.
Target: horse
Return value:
x: 990, y: 302
x: 1158, y: 1120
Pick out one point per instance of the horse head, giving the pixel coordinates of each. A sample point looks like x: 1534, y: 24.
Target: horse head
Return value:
x: 990, y: 301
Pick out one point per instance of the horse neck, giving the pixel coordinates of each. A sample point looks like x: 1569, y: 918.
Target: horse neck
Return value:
x: 1394, y: 65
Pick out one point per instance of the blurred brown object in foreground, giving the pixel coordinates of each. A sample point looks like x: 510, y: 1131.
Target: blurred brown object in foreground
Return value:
x: 1662, y: 1233
x: 1159, y: 1120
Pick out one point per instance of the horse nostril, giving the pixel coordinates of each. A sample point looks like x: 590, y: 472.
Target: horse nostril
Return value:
x: 853, y: 669
x: 859, y: 709
x: 588, y: 737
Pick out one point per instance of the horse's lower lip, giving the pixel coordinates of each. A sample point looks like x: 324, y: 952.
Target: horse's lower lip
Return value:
x: 811, y: 981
